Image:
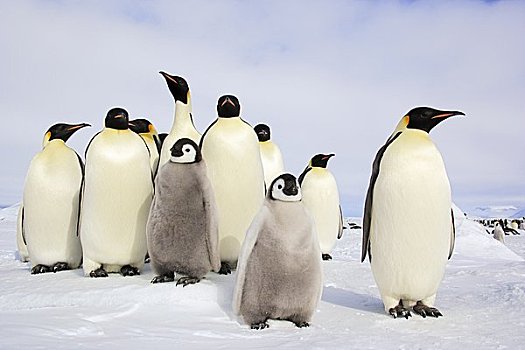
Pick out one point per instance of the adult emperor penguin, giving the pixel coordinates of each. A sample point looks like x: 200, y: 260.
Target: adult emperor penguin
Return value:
x: 499, y: 234
x: 231, y: 151
x: 279, y: 273
x: 321, y: 197
x: 117, y: 194
x: 21, y: 244
x: 408, y: 224
x: 183, y: 119
x: 182, y: 226
x: 149, y: 134
x: 272, y: 159
x: 51, y: 203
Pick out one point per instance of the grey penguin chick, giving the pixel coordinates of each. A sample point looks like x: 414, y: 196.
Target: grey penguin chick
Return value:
x: 182, y: 228
x: 279, y: 272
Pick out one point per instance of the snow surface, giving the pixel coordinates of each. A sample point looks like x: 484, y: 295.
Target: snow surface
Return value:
x: 482, y: 298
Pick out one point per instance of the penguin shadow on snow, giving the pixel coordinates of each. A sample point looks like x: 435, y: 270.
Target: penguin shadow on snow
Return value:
x: 225, y: 285
x: 349, y: 299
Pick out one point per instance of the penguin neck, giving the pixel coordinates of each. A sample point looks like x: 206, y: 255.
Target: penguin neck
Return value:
x: 228, y: 120
x: 182, y: 116
x: 53, y: 143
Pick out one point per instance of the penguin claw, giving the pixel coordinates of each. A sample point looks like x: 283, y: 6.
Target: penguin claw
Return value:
x: 424, y: 311
x: 261, y: 325
x: 38, y: 269
x: 128, y: 270
x: 60, y: 266
x: 225, y: 269
x: 187, y: 280
x: 168, y: 277
x: 100, y: 272
x: 399, y: 311
x: 326, y: 256
x: 302, y: 324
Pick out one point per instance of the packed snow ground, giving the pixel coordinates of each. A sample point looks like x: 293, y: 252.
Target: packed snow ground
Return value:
x: 482, y: 298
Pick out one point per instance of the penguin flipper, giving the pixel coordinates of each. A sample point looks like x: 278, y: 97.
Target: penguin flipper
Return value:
x: 452, y: 235
x: 303, y: 174
x: 22, y: 226
x: 157, y: 143
x: 341, y: 226
x: 367, y: 216
x: 249, y: 242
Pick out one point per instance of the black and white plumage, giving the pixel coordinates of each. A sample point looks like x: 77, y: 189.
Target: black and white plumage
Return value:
x: 279, y: 272
x: 182, y: 226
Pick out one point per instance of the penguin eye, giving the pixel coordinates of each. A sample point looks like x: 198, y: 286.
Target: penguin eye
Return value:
x: 280, y: 187
x: 186, y: 150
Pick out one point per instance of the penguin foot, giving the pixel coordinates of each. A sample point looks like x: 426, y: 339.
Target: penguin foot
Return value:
x: 326, y: 256
x: 424, y: 311
x: 302, y: 324
x: 187, y: 280
x: 100, y: 272
x: 60, y: 266
x: 38, y: 269
x: 225, y: 269
x: 167, y: 277
x: 399, y: 311
x: 128, y: 270
x: 261, y: 325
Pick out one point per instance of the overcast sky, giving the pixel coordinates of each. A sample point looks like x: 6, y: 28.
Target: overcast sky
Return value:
x: 327, y: 76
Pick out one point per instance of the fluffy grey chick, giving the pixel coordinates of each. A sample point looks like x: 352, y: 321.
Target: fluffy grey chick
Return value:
x: 182, y: 225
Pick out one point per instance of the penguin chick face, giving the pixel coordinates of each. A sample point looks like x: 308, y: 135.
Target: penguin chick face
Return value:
x: 178, y: 87
x: 62, y: 131
x: 185, y: 151
x: 140, y: 126
x: 263, y: 132
x: 228, y: 107
x: 285, y: 188
x: 117, y: 118
x: 321, y: 160
x: 426, y: 118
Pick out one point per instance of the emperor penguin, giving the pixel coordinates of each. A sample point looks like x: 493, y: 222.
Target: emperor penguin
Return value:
x: 21, y: 243
x: 514, y: 225
x: 279, y: 274
x: 499, y: 234
x: 321, y: 197
x: 182, y: 226
x: 408, y: 224
x: 183, y: 119
x: 272, y: 159
x: 231, y: 151
x: 51, y: 203
x: 149, y: 134
x: 117, y: 194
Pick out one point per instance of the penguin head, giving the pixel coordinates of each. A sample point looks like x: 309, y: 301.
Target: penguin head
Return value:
x: 117, y: 118
x: 263, y: 132
x: 142, y: 126
x: 185, y: 151
x: 285, y: 188
x: 62, y: 131
x: 426, y: 118
x: 178, y: 87
x: 320, y: 160
x: 228, y: 107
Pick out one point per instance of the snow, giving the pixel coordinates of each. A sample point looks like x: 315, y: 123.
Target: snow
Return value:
x: 482, y: 298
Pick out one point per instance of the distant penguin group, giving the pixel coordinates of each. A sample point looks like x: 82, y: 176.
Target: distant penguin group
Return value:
x: 223, y: 201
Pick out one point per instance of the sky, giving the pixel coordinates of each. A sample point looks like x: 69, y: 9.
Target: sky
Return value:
x: 327, y: 76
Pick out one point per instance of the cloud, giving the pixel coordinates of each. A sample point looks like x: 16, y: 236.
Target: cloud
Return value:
x: 327, y: 77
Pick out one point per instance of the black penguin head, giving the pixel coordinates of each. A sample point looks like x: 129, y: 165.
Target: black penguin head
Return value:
x: 228, y: 107
x: 62, y: 131
x: 178, y: 87
x: 263, y: 132
x: 320, y: 160
x: 141, y: 126
x: 285, y: 188
x: 426, y: 118
x: 117, y: 118
x: 185, y: 151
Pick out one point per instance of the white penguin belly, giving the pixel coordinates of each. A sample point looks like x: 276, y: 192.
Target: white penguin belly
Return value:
x: 236, y: 174
x: 411, y: 219
x: 321, y: 197
x: 117, y: 197
x: 272, y: 161
x: 51, y: 204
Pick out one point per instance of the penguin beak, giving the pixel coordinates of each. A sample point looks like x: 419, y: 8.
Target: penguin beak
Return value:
x: 227, y: 100
x: 168, y: 77
x: 446, y: 114
x: 328, y: 156
x: 78, y: 126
